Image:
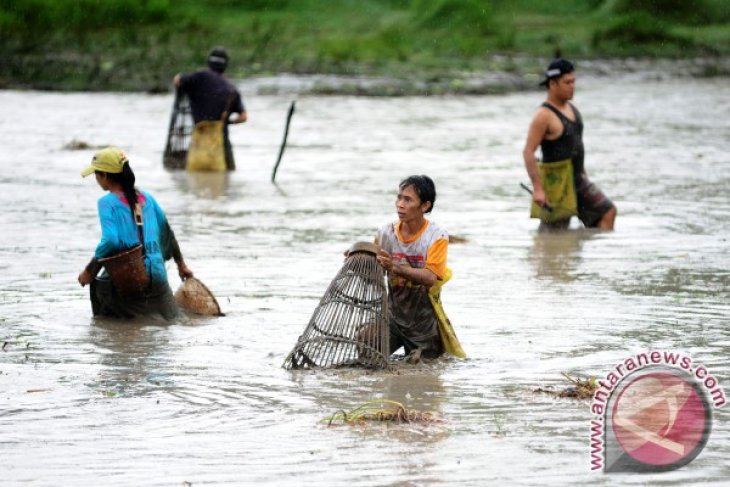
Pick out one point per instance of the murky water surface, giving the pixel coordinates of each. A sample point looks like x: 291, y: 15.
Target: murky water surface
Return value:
x: 205, y: 400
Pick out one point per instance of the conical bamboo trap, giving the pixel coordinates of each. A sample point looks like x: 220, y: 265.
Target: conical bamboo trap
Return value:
x: 179, y: 133
x: 194, y: 296
x: 349, y: 327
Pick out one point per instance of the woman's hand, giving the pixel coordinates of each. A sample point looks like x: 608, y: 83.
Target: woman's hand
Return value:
x: 184, y: 271
x: 85, y: 278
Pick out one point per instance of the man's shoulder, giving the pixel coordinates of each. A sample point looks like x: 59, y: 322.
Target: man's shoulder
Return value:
x: 436, y: 231
x: 542, y: 114
x: 545, y: 109
x: 200, y: 76
x: 547, y: 114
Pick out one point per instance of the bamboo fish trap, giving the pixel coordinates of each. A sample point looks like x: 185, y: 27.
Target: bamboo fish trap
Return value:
x: 179, y: 133
x: 349, y: 327
x: 194, y: 296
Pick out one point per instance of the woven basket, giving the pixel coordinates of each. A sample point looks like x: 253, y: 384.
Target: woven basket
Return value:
x: 350, y: 326
x: 194, y: 296
x: 127, y: 272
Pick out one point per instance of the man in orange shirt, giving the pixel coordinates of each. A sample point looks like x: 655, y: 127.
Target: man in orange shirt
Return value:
x: 414, y: 256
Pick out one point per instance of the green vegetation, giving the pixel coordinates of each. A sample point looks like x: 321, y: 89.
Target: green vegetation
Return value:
x: 140, y: 44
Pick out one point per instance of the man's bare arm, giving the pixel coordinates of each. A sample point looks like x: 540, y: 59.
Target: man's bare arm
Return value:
x: 535, y: 135
x: 240, y: 118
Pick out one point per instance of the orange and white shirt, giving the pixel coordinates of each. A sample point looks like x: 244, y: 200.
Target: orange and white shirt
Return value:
x: 412, y: 312
x: 427, y: 249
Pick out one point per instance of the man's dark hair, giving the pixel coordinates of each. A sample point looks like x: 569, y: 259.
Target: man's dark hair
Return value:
x: 218, y: 59
x: 424, y: 188
x: 557, y: 68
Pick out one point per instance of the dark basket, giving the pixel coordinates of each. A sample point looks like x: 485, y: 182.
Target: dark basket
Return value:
x: 127, y: 271
x: 179, y: 133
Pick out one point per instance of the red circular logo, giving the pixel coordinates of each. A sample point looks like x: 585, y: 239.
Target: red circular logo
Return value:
x: 661, y: 419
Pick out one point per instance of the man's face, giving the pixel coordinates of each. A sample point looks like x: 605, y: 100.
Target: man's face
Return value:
x: 409, y: 205
x: 564, y: 86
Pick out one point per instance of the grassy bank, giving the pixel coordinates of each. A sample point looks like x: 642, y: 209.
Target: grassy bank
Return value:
x: 140, y: 44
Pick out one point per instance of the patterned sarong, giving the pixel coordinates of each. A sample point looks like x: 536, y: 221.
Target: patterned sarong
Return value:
x: 207, y: 152
x: 559, y: 186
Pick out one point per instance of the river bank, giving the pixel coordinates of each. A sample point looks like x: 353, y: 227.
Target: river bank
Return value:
x: 505, y: 75
x: 408, y: 46
x: 484, y: 83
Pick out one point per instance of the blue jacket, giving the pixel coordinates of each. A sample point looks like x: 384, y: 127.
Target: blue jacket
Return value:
x: 119, y: 232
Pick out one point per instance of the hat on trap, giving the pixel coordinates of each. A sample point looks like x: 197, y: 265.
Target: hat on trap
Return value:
x: 349, y: 327
x: 194, y: 296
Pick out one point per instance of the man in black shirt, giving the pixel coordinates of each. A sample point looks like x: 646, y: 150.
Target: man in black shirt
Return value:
x: 212, y: 97
x: 557, y: 128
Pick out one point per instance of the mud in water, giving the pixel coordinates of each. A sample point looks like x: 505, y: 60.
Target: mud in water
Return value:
x: 97, y: 402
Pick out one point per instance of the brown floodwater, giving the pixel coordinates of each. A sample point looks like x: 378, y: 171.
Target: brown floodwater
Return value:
x: 87, y: 401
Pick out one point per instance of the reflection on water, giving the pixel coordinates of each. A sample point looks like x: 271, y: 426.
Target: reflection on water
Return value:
x: 210, y: 185
x: 127, y: 353
x: 205, y: 400
x: 557, y: 255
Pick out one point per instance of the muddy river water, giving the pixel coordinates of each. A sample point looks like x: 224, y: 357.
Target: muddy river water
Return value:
x: 205, y: 401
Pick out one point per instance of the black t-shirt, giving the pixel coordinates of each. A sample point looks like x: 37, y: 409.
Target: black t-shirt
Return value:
x: 210, y: 95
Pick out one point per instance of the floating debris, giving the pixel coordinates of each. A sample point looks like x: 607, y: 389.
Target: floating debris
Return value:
x: 457, y: 239
x: 77, y: 145
x: 81, y: 145
x: 582, y: 388
x: 383, y: 410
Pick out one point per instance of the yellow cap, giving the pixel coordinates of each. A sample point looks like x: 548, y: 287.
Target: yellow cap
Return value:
x: 111, y: 159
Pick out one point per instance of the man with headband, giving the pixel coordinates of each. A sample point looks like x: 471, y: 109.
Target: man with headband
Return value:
x: 561, y: 187
x: 213, y: 98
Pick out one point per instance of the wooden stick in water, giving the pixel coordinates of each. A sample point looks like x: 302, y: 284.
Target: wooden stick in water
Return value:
x: 283, y: 142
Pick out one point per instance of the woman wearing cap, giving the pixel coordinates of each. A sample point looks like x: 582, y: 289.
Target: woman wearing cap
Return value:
x: 119, y: 228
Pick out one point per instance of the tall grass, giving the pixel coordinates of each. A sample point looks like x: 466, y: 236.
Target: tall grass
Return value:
x: 80, y: 15
x: 133, y: 44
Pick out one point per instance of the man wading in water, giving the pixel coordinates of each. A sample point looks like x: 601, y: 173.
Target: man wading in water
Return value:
x: 213, y: 98
x: 414, y: 256
x: 560, y: 184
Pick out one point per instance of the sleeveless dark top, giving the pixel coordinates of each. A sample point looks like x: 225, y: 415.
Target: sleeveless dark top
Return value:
x: 570, y: 143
